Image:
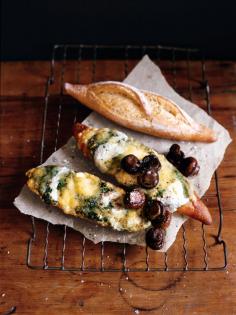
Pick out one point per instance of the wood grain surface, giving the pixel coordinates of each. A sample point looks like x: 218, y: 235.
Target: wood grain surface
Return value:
x: 27, y: 291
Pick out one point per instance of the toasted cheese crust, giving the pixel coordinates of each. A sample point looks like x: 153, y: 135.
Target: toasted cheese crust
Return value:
x: 85, y: 196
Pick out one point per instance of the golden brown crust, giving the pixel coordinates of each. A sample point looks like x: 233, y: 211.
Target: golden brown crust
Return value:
x: 196, y: 210
x: 145, y: 112
x: 78, y: 132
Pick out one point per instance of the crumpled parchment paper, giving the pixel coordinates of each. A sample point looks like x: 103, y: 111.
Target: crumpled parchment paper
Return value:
x: 146, y: 75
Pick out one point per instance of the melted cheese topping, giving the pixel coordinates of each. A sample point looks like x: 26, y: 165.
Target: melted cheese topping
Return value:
x: 136, y: 149
x: 173, y: 189
x: 174, y: 196
x: 86, y: 196
x: 107, y: 197
x: 116, y: 218
x: 124, y: 178
x: 86, y: 184
x: 105, y: 153
x: 55, y: 181
x: 67, y: 199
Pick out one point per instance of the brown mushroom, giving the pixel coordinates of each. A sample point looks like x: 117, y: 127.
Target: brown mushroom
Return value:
x: 148, y: 179
x: 155, y: 238
x: 158, y: 214
x: 130, y: 163
x: 150, y: 161
x: 134, y: 199
x: 189, y: 166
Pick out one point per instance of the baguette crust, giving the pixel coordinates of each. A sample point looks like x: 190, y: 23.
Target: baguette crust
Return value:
x: 197, y: 210
x: 194, y: 209
x: 145, y: 111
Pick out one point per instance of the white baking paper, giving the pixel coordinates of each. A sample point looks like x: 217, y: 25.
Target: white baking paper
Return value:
x: 146, y: 75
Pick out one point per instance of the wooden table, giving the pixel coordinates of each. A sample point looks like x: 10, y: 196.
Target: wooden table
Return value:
x: 57, y: 292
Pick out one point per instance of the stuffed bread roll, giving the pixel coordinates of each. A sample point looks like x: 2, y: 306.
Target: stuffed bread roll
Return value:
x: 107, y: 148
x: 85, y: 196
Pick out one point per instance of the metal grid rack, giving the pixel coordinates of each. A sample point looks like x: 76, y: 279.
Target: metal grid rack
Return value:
x: 124, y: 53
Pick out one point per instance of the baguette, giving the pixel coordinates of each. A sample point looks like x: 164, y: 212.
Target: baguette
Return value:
x: 85, y: 196
x: 141, y: 111
x: 99, y: 145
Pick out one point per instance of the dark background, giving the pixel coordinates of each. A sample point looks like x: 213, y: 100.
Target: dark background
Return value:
x: 30, y: 28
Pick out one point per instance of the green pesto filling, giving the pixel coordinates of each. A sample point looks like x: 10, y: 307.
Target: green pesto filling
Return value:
x: 46, y: 196
x: 186, y: 193
x: 51, y: 170
x: 45, y: 180
x: 114, y: 163
x: 160, y: 193
x: 93, y: 144
x: 104, y: 188
x: 63, y: 181
x: 91, y: 207
x: 98, y: 139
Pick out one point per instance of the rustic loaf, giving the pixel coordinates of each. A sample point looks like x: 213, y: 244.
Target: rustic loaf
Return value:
x: 142, y: 111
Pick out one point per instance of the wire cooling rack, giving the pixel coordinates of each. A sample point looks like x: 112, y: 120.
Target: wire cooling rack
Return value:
x: 64, y: 249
